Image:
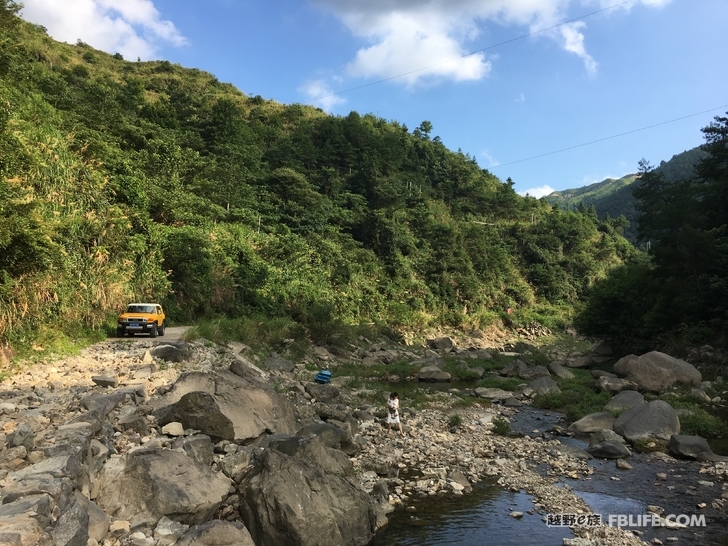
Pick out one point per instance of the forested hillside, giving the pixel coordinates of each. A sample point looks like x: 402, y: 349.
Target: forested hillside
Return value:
x: 677, y: 296
x: 123, y: 180
x: 614, y: 197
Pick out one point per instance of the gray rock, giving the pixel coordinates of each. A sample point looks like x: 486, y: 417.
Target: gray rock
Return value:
x: 312, y: 507
x: 492, y: 394
x: 275, y: 362
x: 535, y: 372
x: 543, y: 385
x: 610, y: 449
x: 578, y: 362
x: 653, y: 420
x: 624, y: 400
x: 198, y: 447
x: 198, y: 410
x: 701, y: 394
x: 216, y: 533
x: 38, y: 507
x: 614, y: 384
x: 248, y: 402
x: 596, y: 374
x: 23, y: 435
x: 514, y: 369
x: 332, y: 436
x: 71, y: 529
x: 692, y: 447
x: 323, y: 393
x: 150, y: 483
x: 433, y: 374
x: 559, y: 371
x: 172, y: 352
x: 441, y: 343
x: 232, y: 465
x: 105, y: 381
x: 592, y: 423
x: 604, y: 435
x: 571, y: 451
x: 656, y: 371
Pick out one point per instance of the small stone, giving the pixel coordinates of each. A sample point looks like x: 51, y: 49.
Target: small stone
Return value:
x: 616, y: 479
x: 623, y: 465
x: 516, y: 515
x: 661, y: 476
x: 174, y: 428
x: 702, y: 505
x: 105, y: 381
x: 119, y: 527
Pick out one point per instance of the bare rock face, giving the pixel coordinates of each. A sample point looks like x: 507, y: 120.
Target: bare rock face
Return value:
x: 150, y: 483
x: 656, y: 371
x: 290, y: 500
x: 250, y: 404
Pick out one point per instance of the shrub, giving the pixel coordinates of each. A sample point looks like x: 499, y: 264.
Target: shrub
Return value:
x: 455, y: 420
x: 501, y: 426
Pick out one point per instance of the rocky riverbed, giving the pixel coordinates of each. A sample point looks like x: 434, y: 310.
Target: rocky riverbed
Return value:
x: 157, y: 444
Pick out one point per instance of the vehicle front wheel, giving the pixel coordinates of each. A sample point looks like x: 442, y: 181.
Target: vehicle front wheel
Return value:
x: 153, y: 330
x: 162, y: 328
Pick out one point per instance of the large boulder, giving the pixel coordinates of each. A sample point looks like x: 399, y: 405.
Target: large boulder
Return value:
x: 290, y: 500
x: 656, y: 371
x: 332, y: 436
x: 559, y: 371
x: 198, y: 410
x: 323, y: 393
x: 542, y: 385
x: 592, y: 423
x: 150, y: 483
x: 610, y: 449
x: 249, y: 403
x: 653, y: 420
x: 492, y: 394
x: 624, y: 400
x: 691, y: 447
x: 433, y: 374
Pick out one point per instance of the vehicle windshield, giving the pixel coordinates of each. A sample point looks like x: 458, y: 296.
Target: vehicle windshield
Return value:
x: 140, y: 309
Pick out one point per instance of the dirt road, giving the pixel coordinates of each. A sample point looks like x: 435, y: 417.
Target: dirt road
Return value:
x: 172, y: 333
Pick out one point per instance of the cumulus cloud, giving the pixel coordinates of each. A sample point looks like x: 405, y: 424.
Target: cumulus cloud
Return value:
x: 134, y: 28
x: 426, y: 40
x: 321, y: 95
x: 538, y: 193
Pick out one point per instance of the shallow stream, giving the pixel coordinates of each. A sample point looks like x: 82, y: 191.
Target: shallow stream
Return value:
x: 482, y: 517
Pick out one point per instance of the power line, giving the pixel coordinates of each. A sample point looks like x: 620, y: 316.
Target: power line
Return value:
x: 517, y: 38
x: 611, y: 137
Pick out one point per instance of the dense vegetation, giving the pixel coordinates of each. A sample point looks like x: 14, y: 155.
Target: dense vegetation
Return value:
x: 678, y: 295
x: 146, y: 181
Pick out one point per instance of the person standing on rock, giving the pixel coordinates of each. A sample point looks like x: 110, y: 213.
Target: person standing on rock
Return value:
x: 393, y: 412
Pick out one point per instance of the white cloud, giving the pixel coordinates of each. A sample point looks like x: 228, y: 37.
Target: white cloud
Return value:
x: 492, y: 161
x: 425, y: 40
x: 538, y: 193
x: 321, y: 95
x: 521, y: 98
x: 133, y: 28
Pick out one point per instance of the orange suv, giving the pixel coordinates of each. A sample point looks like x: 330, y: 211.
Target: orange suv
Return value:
x: 141, y: 318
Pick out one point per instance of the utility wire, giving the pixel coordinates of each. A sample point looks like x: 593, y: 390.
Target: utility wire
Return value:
x: 422, y: 69
x: 610, y: 137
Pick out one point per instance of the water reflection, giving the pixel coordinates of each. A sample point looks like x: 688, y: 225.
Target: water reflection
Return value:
x: 480, y: 518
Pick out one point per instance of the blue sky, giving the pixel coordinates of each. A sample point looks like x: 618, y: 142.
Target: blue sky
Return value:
x: 502, y: 80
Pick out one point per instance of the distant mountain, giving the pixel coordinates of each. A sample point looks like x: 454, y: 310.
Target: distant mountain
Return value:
x: 614, y: 196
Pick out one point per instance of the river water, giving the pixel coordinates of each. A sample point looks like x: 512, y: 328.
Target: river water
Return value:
x: 482, y: 517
